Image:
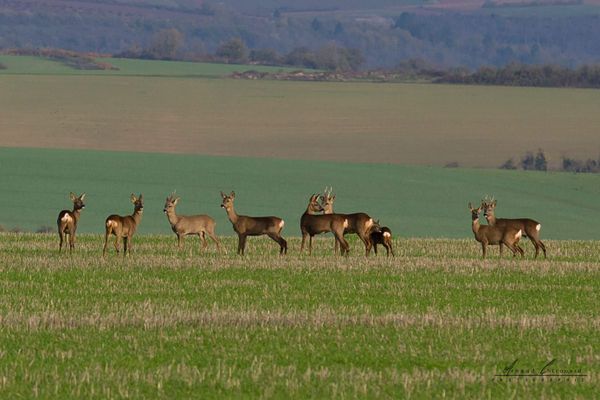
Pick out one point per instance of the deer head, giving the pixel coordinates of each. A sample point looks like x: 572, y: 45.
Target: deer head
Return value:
x: 171, y: 202
x: 475, y: 212
x: 227, y: 201
x: 77, y: 201
x: 138, y: 203
x: 314, y: 206
x: 327, y: 199
x: 489, y: 204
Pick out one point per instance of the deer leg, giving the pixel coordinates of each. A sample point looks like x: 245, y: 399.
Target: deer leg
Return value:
x: 336, y: 246
x: 538, y: 245
x: 212, y: 235
x: 117, y: 243
x: 304, y: 235
x: 520, y: 250
x: 202, y: 236
x: 282, y: 243
x: 180, y: 243
x: 241, y: 244
x: 310, y: 244
x: 71, y: 241
x: 367, y: 242
x: 501, y: 249
x: 105, y: 241
x: 483, y: 248
x: 375, y: 247
x: 60, y: 235
x: 390, y: 248
x: 125, y: 243
x: 345, y: 248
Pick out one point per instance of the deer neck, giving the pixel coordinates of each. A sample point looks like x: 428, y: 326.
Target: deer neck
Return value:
x: 328, y: 210
x: 137, y: 216
x: 491, y: 219
x: 172, y: 217
x: 475, y: 226
x: 76, y: 212
x: 232, y: 215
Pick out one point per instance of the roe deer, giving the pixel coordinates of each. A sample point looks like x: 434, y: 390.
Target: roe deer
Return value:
x: 183, y: 225
x: 124, y: 227
x: 494, y: 235
x: 359, y: 223
x: 67, y: 221
x: 246, y: 226
x: 529, y: 227
x: 312, y: 224
x: 381, y: 235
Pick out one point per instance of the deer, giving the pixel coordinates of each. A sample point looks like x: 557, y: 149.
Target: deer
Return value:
x: 529, y: 227
x: 381, y: 235
x: 246, y: 226
x: 495, y: 235
x: 183, y: 225
x: 358, y: 223
x: 312, y: 223
x: 67, y: 221
x: 124, y: 227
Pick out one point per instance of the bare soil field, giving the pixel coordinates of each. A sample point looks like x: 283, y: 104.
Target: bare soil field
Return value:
x: 359, y: 122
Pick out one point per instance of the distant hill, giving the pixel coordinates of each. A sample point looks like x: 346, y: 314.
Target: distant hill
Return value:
x: 467, y: 33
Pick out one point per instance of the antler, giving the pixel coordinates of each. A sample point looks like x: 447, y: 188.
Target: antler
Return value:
x: 487, y: 199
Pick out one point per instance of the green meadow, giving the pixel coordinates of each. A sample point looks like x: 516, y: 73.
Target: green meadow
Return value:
x: 413, y: 201
x: 435, y: 321
x: 30, y: 65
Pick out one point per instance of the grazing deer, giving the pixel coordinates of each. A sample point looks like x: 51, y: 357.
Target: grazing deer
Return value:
x: 246, y: 226
x: 381, y: 235
x: 124, y: 227
x: 359, y: 223
x: 494, y: 235
x: 312, y: 223
x: 183, y: 225
x: 67, y: 221
x: 529, y: 227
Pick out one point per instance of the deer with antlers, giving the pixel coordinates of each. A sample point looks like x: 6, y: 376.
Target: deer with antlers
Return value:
x: 124, y: 227
x: 529, y: 227
x: 183, y: 225
x: 358, y: 223
x: 495, y: 235
x: 67, y: 221
x: 312, y: 223
x: 246, y: 226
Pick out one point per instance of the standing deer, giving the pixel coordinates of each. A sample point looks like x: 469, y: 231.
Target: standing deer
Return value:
x: 312, y: 223
x: 124, y: 227
x: 246, y: 226
x: 381, y: 235
x: 183, y: 225
x: 359, y: 223
x: 67, y: 221
x: 495, y: 235
x: 529, y: 227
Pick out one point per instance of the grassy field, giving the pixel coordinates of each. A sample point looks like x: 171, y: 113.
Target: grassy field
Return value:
x: 29, y: 65
x: 413, y: 201
x: 357, y: 122
x: 434, y: 322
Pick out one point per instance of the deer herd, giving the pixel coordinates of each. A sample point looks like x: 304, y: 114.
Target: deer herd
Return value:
x: 318, y: 218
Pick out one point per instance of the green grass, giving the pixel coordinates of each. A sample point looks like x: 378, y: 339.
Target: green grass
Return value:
x: 413, y: 201
x: 435, y: 321
x: 28, y: 65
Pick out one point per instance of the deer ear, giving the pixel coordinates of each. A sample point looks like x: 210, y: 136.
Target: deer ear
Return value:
x: 133, y: 198
x: 232, y: 195
x: 494, y: 203
x: 176, y: 200
x: 72, y: 196
x: 140, y: 197
x: 223, y: 195
x: 470, y: 206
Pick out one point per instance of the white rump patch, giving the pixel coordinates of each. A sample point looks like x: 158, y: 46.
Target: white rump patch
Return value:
x: 281, y: 224
x: 369, y: 223
x: 111, y: 223
x: 518, y: 235
x: 66, y: 218
x: 387, y: 234
x: 345, y: 223
x: 538, y: 227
